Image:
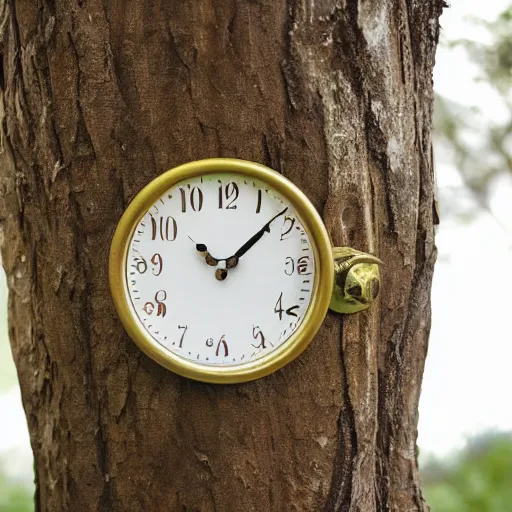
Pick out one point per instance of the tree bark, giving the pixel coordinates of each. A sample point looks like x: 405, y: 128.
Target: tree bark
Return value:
x: 98, y: 98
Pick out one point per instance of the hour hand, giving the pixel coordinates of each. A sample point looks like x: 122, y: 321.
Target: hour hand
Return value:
x: 203, y: 251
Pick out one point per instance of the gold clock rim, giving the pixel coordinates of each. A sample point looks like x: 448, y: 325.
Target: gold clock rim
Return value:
x: 319, y: 303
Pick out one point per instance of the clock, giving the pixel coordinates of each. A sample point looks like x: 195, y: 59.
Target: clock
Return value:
x: 222, y: 270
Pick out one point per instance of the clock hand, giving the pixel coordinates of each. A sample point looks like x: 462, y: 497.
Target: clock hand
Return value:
x: 203, y: 251
x: 221, y: 265
x: 256, y: 237
x: 224, y: 264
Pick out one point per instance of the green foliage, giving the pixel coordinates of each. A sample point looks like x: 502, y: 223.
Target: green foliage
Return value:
x: 15, y: 497
x: 479, y: 480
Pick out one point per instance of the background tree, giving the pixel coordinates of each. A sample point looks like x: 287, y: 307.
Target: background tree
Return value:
x: 98, y: 98
x: 480, y: 148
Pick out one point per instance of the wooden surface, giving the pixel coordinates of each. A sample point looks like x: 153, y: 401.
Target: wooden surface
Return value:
x: 98, y: 98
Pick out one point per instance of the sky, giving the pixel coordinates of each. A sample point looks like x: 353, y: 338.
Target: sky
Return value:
x: 467, y: 377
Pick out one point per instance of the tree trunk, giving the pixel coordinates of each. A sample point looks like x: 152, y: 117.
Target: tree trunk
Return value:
x: 98, y: 98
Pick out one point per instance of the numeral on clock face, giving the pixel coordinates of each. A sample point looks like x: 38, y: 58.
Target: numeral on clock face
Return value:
x: 278, y: 308
x: 222, y: 343
x: 211, y: 224
x: 192, y: 195
x: 159, y: 304
x: 288, y: 224
x: 228, y: 194
x: 257, y: 334
x: 184, y: 328
x: 164, y: 229
x: 258, y: 205
x: 158, y: 264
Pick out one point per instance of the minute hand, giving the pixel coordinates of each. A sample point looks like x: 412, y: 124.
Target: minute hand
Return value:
x: 258, y: 235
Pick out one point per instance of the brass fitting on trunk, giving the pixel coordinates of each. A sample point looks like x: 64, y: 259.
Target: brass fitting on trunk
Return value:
x: 356, y: 280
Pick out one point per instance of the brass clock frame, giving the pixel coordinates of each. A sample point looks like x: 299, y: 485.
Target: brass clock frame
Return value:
x: 320, y: 298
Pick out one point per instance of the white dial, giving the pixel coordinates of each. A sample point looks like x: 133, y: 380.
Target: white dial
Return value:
x: 220, y: 270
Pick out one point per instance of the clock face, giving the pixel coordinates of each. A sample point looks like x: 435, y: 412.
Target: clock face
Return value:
x: 220, y: 270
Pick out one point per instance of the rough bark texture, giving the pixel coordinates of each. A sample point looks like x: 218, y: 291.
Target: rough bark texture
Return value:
x: 99, y: 97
